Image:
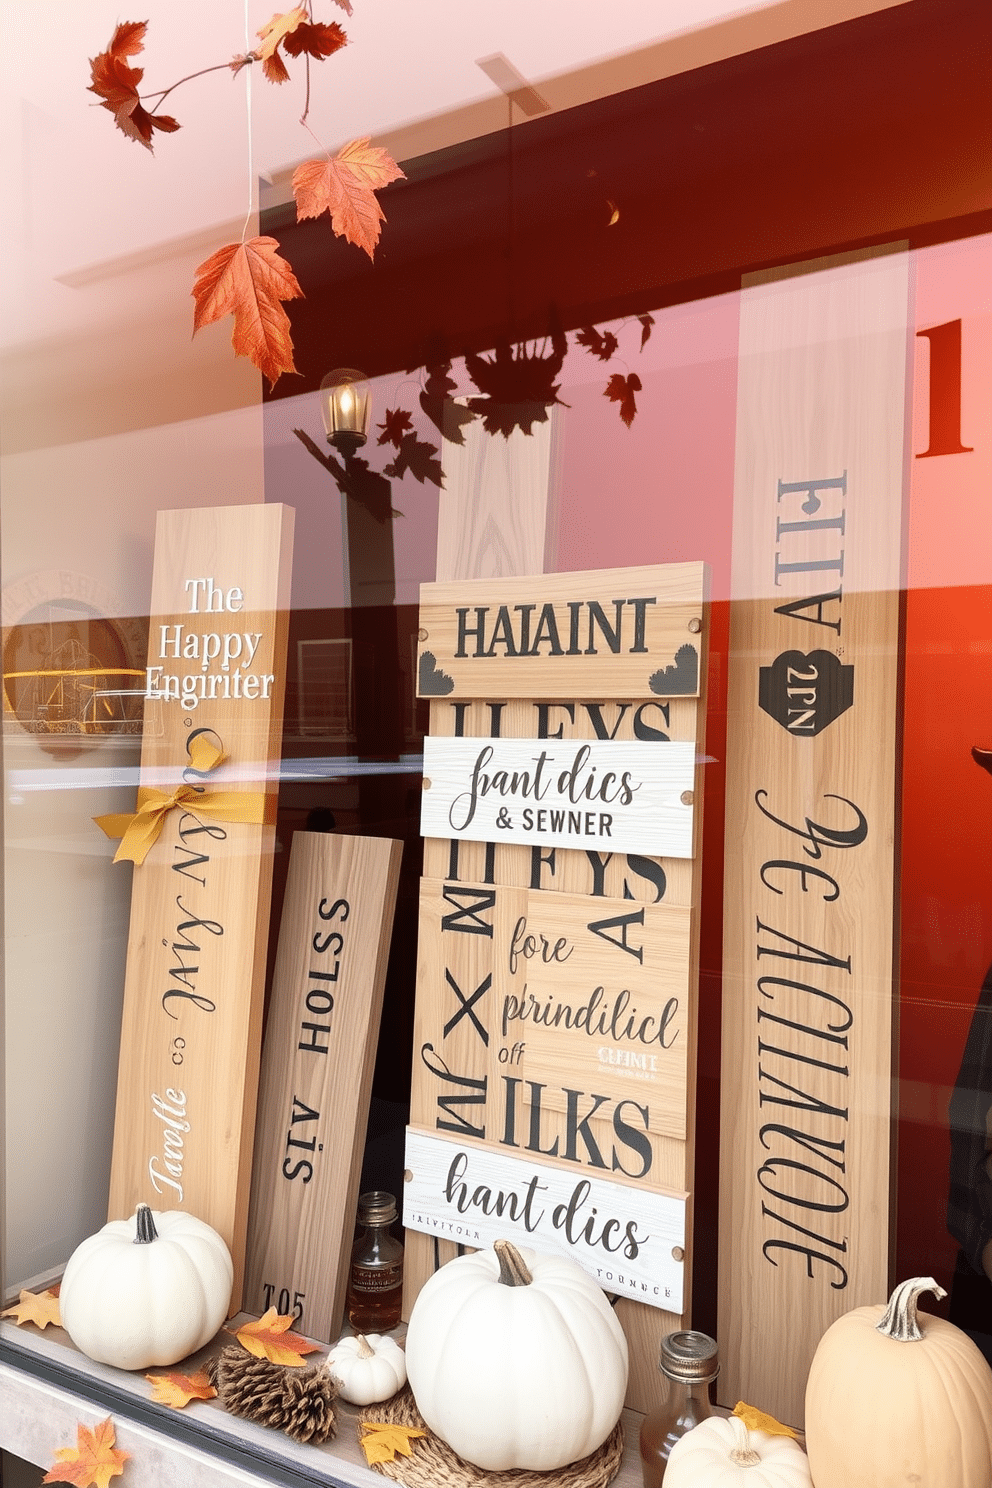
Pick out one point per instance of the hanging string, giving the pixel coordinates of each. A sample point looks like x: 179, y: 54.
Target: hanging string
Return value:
x: 251, y: 169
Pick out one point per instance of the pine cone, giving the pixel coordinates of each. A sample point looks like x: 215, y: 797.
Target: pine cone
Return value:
x: 297, y: 1401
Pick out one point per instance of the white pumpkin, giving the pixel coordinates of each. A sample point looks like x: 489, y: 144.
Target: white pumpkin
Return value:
x: 366, y: 1367
x: 146, y: 1290
x: 722, y: 1453
x: 516, y: 1359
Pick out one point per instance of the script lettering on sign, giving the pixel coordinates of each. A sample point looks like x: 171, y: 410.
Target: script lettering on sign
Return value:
x: 555, y: 1033
x: 200, y: 899
x: 811, y: 817
x: 624, y: 795
x: 631, y: 1241
x: 553, y: 1025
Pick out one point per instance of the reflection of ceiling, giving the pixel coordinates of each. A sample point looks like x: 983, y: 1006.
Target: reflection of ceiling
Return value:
x: 85, y: 208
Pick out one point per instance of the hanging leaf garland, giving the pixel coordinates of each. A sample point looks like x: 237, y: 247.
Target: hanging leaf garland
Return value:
x: 250, y: 280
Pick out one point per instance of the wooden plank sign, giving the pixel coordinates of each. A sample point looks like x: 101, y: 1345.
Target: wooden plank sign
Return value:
x: 630, y: 1240
x: 811, y: 818
x: 316, y: 1078
x: 569, y: 635
x: 200, y: 900
x: 617, y: 795
x: 555, y: 1036
x: 545, y: 997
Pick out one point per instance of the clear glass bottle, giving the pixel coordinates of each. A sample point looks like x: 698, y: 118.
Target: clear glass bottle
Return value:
x: 375, y: 1283
x: 689, y: 1364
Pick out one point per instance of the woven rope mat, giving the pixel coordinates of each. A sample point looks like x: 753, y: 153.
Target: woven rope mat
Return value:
x: 434, y: 1465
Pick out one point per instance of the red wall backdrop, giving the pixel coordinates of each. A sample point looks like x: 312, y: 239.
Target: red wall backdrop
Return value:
x: 946, y: 930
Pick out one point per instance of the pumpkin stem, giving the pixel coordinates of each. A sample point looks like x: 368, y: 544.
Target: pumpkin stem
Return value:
x: 900, y: 1320
x: 512, y: 1268
x: 364, y: 1350
x: 743, y: 1454
x: 145, y: 1231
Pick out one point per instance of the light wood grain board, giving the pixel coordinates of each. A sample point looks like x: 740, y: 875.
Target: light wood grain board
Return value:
x: 492, y: 508
x: 568, y: 1014
x: 316, y: 1076
x: 630, y: 1240
x: 196, y: 954
x: 811, y: 819
x: 618, y: 795
x: 645, y: 878
x: 600, y: 872
x: 607, y: 633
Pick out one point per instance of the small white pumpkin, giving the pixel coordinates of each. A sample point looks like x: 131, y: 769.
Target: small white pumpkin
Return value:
x: 146, y: 1290
x: 367, y: 1367
x: 722, y: 1453
x: 516, y: 1359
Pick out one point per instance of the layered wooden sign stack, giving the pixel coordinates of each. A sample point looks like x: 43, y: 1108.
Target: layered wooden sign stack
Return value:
x: 554, y: 1046
x: 317, y: 1063
x: 811, y: 817
x: 200, y: 899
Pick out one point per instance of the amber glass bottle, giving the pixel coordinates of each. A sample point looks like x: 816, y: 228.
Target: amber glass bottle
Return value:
x: 689, y: 1366
x: 375, y: 1282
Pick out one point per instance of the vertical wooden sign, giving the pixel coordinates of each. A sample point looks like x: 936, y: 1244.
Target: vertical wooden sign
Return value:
x: 811, y: 818
x: 554, y: 926
x: 316, y: 1079
x: 188, y: 1072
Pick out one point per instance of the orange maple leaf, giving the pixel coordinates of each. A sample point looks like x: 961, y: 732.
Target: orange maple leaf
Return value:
x: 115, y: 82
x: 269, y: 1338
x: 383, y: 1440
x: 40, y: 1308
x: 345, y: 186
x: 272, y: 34
x: 248, y: 280
x: 177, y: 1390
x: 92, y: 1462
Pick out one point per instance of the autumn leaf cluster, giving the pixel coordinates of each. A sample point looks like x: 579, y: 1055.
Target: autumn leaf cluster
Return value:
x: 250, y: 280
x: 115, y: 82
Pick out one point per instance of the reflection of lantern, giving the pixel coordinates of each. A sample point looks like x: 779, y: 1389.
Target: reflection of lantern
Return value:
x: 346, y: 407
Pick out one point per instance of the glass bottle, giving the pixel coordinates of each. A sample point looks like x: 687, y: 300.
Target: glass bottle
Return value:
x: 689, y: 1364
x: 375, y: 1282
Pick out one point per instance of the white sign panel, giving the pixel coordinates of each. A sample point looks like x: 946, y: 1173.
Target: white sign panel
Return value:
x: 621, y: 795
x: 631, y: 1242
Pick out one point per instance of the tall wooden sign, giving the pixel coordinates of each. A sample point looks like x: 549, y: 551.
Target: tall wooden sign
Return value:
x: 811, y: 818
x: 200, y: 900
x: 316, y: 1079
x: 554, y: 1045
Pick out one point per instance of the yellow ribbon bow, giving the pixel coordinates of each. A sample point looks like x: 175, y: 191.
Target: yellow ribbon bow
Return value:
x: 140, y: 828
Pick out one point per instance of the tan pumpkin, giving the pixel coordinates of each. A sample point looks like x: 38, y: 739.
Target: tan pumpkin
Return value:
x: 894, y: 1398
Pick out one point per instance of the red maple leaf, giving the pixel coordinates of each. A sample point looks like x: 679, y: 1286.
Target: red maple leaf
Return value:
x: 621, y: 390
x: 647, y: 321
x: 419, y: 458
x: 318, y: 39
x: 249, y: 280
x: 396, y: 423
x: 601, y: 345
x: 115, y: 82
